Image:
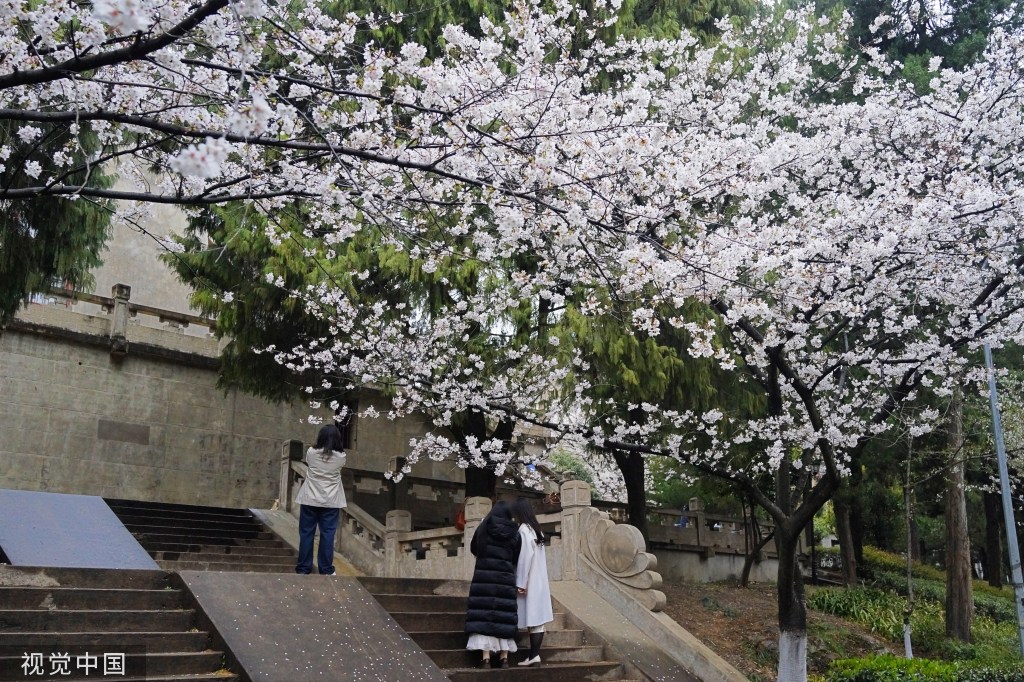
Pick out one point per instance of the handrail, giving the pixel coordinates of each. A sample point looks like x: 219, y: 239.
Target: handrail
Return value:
x: 430, y: 534
x: 429, y: 482
x: 365, y: 520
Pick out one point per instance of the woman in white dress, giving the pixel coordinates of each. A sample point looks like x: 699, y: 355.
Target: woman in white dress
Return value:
x: 534, y: 593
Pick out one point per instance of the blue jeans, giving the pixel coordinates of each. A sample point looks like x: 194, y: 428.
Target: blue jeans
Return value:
x: 309, y: 519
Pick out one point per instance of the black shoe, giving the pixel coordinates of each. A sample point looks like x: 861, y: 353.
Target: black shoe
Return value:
x: 486, y: 663
x: 503, y: 663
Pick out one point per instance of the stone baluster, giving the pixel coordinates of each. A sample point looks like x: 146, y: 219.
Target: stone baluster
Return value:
x: 290, y: 450
x: 398, y: 490
x: 592, y: 541
x: 397, y: 521
x: 121, y: 294
x: 698, y: 520
x: 575, y: 496
x: 476, y: 509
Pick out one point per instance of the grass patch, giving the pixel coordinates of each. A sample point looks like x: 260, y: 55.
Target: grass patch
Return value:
x: 893, y: 669
x: 712, y: 604
x: 883, y: 613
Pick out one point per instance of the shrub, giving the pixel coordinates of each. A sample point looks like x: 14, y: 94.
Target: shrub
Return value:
x: 877, y: 560
x: 999, y: 673
x: 892, y: 669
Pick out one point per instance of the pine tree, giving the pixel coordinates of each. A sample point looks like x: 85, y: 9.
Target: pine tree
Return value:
x: 228, y: 255
x: 47, y: 240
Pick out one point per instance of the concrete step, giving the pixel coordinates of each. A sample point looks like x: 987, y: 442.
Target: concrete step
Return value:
x: 88, y: 598
x: 199, y: 534
x: 545, y: 672
x: 91, y: 578
x: 227, y: 522
x: 38, y: 620
x: 418, y: 620
x: 170, y: 506
x: 422, y: 602
x: 456, y: 639
x: 221, y: 557
x: 226, y: 567
x: 155, y: 642
x: 410, y: 586
x: 462, y: 658
x: 158, y: 537
x: 232, y: 550
x: 183, y: 515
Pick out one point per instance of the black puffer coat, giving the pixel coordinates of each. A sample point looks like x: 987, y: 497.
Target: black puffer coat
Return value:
x: 492, y: 594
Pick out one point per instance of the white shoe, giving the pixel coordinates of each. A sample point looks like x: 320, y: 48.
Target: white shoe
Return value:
x: 530, y: 661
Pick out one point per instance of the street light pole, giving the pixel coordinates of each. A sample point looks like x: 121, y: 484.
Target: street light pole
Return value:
x: 1004, y: 484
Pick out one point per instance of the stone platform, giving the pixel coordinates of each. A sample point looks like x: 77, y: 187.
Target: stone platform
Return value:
x: 308, y: 628
x: 69, y: 531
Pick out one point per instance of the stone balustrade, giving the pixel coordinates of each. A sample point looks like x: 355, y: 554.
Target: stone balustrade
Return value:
x: 584, y: 544
x: 691, y: 544
x: 122, y: 311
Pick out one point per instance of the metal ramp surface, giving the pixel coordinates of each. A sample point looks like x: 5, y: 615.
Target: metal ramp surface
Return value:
x: 308, y: 628
x: 66, y: 531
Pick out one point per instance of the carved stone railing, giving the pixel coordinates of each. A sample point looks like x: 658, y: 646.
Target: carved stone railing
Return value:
x: 121, y: 296
x: 695, y: 530
x: 51, y: 314
x: 604, y: 554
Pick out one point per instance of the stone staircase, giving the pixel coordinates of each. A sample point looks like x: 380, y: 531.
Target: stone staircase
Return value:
x: 145, y: 615
x: 193, y: 538
x: 433, y: 613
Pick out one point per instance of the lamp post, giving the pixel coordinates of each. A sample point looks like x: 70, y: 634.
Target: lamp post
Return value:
x: 1004, y: 484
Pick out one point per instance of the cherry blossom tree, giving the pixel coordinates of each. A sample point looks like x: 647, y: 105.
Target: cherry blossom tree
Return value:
x: 845, y: 254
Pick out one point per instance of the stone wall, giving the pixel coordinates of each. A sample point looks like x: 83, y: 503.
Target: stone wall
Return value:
x: 150, y: 424
x: 693, y: 567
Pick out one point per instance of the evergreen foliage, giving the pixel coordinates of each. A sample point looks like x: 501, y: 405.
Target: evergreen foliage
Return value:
x: 46, y: 240
x: 226, y: 267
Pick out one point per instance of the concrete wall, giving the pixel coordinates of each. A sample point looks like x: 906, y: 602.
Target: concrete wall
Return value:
x: 691, y: 567
x: 377, y: 441
x: 150, y: 425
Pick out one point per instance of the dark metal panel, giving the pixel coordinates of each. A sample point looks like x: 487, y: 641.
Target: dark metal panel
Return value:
x: 308, y: 628
x: 73, y: 531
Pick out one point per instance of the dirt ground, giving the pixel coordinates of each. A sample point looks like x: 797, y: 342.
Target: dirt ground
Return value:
x: 740, y: 625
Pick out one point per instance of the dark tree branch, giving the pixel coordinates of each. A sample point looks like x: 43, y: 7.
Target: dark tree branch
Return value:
x: 136, y: 50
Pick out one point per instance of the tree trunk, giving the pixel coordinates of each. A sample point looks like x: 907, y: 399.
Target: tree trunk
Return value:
x: 792, y: 609
x: 632, y: 467
x: 915, y: 537
x: 959, y: 598
x: 754, y: 556
x: 847, y: 551
x: 481, y: 482
x: 993, y: 539
x: 856, y: 508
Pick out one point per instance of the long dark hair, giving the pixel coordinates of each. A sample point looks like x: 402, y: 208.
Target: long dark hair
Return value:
x: 329, y: 439
x: 524, y: 514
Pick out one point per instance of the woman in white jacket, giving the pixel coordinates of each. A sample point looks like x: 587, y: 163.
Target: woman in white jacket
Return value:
x: 534, y: 593
x: 321, y: 499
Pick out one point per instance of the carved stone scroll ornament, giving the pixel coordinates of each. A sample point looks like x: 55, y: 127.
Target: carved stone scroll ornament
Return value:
x: 620, y: 552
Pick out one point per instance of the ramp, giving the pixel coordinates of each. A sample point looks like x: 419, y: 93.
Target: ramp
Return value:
x: 66, y: 531
x: 307, y: 628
